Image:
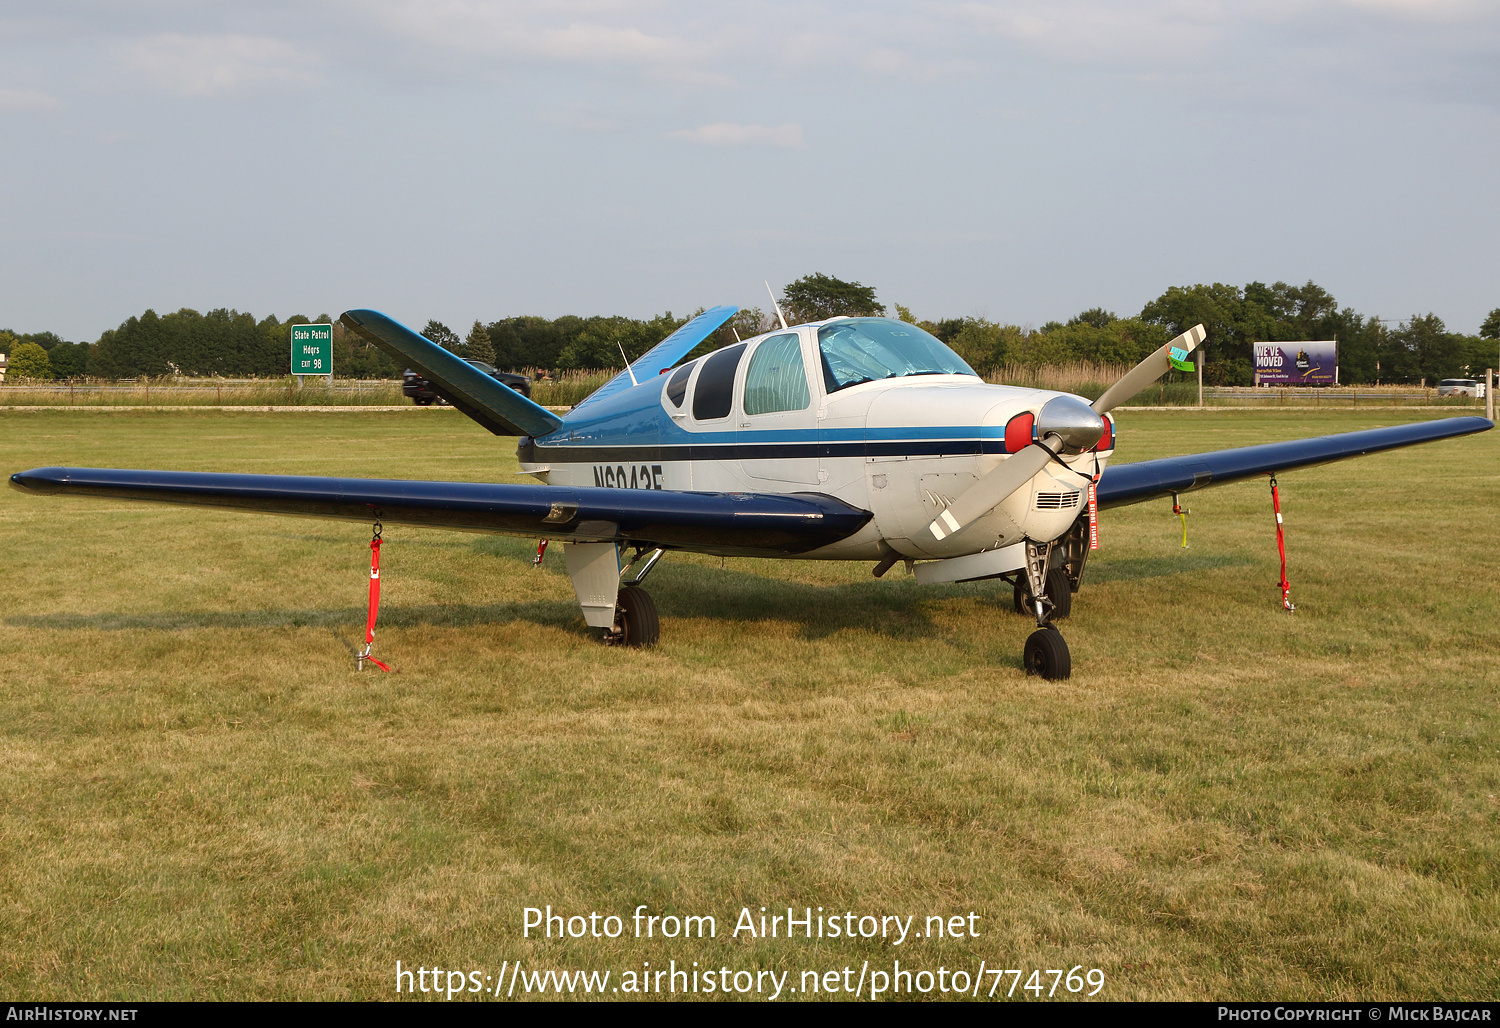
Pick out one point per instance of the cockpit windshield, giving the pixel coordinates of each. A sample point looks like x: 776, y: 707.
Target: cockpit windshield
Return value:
x: 859, y: 350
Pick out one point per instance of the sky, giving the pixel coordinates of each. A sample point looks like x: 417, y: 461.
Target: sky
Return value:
x: 1020, y: 160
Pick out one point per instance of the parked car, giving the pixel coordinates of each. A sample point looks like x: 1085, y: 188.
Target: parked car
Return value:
x: 1460, y: 387
x: 421, y: 392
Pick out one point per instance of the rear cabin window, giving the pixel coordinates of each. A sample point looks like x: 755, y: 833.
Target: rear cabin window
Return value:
x: 713, y: 395
x: 677, y: 384
x: 775, y: 380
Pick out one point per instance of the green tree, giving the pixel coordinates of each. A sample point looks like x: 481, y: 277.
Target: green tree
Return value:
x: 599, y: 344
x: 46, y: 340
x: 1422, y: 348
x: 444, y: 336
x: 478, y: 345
x: 947, y: 329
x: 1297, y: 311
x: 905, y: 314
x: 1478, y: 354
x: 356, y: 357
x: 1491, y: 327
x: 1234, y: 318
x: 29, y: 360
x: 533, y: 342
x: 982, y: 344
x: 134, y: 349
x: 69, y: 360
x: 1100, y: 337
x: 1359, y: 340
x: 817, y: 296
x: 1098, y: 317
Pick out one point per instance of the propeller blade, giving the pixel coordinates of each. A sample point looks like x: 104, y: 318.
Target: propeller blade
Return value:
x: 1148, y: 370
x: 991, y: 490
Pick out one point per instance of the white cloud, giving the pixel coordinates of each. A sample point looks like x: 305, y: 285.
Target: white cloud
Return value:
x: 1426, y: 10
x: 604, y: 35
x: 727, y: 133
x: 1146, y: 31
x: 218, y: 65
x: 26, y: 100
x: 586, y: 117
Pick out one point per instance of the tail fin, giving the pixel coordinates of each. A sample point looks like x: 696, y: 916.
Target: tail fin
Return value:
x: 497, y: 407
x: 663, y: 355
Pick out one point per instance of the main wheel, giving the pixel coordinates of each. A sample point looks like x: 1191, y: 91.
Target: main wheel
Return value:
x: 1046, y: 654
x: 1060, y: 592
x: 636, y: 623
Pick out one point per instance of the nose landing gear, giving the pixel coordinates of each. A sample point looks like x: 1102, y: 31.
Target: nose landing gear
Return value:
x: 1048, y: 595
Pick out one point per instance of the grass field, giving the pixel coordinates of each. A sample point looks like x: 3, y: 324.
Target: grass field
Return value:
x: 202, y: 799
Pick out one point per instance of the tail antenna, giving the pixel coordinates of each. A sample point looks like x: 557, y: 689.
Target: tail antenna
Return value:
x: 780, y: 316
x: 628, y: 369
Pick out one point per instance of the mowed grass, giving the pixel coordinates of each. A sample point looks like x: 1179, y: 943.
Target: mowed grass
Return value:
x: 202, y: 799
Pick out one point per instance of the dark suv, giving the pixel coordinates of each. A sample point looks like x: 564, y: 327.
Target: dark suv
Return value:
x: 422, y: 393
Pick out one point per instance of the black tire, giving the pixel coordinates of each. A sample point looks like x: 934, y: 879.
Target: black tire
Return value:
x: 420, y: 402
x: 636, y: 623
x: 1060, y: 592
x: 1047, y: 655
x: 1020, y: 597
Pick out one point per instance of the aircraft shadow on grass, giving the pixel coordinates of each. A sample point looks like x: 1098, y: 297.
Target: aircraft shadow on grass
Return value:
x: 729, y: 596
x: 883, y: 608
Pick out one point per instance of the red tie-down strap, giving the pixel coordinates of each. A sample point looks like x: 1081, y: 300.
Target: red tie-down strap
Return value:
x: 374, y: 602
x: 1094, y: 512
x: 1286, y: 587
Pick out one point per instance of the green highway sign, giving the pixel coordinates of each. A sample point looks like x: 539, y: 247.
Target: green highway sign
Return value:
x: 312, y: 349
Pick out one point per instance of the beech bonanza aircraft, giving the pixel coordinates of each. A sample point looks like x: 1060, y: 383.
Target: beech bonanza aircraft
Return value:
x: 848, y: 439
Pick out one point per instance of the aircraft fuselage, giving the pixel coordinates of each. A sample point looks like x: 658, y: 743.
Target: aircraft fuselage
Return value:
x: 900, y: 447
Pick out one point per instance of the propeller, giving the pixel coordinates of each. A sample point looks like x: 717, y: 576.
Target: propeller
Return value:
x: 1065, y: 424
x: 1173, y: 353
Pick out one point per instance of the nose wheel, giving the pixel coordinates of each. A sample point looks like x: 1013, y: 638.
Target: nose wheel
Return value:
x: 1046, y: 593
x: 1046, y: 654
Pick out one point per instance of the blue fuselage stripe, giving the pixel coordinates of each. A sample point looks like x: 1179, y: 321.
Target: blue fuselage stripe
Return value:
x: 584, y: 453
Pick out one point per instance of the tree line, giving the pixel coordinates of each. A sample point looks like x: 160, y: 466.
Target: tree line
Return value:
x: 232, y: 344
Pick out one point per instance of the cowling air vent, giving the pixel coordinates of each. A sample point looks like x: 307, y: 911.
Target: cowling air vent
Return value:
x: 1056, y: 501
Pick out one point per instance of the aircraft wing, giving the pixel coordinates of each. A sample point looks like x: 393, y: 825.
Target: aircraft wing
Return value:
x: 664, y: 354
x: 762, y: 523
x: 494, y: 405
x: 1123, y: 484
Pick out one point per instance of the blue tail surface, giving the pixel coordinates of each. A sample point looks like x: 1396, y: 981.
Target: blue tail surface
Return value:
x: 497, y: 407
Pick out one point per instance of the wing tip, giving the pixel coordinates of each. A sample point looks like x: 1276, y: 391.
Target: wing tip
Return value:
x: 37, y: 481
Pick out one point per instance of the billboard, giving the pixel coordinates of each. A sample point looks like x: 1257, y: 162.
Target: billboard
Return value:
x: 1308, y: 363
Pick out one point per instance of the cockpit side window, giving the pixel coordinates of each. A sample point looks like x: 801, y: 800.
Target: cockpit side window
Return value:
x: 713, y: 395
x: 775, y: 380
x: 677, y: 384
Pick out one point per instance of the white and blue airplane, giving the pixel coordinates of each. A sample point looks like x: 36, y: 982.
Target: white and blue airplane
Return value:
x: 860, y: 439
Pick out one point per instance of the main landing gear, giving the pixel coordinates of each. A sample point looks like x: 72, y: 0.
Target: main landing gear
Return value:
x: 621, y: 608
x: 635, y: 622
